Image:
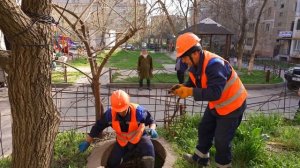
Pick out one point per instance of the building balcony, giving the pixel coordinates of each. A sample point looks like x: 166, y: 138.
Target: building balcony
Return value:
x: 296, y: 54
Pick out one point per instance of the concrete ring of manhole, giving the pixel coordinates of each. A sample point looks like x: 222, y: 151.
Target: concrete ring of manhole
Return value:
x: 165, y: 157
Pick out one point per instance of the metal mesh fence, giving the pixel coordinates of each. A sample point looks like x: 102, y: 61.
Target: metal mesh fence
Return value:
x: 76, y: 106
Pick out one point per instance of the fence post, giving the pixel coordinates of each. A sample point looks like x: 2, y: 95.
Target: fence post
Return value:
x: 109, y: 74
x: 279, y: 73
x: 65, y: 73
x: 268, y: 76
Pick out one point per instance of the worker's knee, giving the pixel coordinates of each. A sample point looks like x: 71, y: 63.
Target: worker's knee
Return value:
x: 146, y: 147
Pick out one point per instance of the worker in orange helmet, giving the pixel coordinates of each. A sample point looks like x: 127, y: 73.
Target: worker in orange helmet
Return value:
x: 212, y: 79
x: 128, y: 121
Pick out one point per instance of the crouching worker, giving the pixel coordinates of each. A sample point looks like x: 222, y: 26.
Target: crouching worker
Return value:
x: 128, y: 121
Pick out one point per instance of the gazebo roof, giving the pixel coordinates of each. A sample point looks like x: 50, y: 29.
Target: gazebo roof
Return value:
x: 207, y: 27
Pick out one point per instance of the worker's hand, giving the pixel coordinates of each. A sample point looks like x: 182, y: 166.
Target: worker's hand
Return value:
x: 174, y: 87
x: 83, y: 146
x: 184, y: 92
x: 153, y: 133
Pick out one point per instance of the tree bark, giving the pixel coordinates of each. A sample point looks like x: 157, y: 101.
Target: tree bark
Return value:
x: 35, y: 117
x: 240, y: 44
x: 252, y: 56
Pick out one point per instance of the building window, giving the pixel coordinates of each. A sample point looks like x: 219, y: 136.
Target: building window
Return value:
x: 279, y: 24
x: 282, y: 6
x: 297, y: 45
x: 249, y: 41
x: 267, y: 27
x: 298, y: 25
x: 269, y: 11
x: 292, y: 25
x: 280, y: 14
x: 251, y: 27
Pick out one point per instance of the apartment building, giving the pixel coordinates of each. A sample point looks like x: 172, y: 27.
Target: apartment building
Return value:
x: 275, y: 30
x: 295, y: 46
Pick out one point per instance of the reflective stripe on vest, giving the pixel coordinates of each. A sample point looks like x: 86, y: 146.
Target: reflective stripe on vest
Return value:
x: 233, y: 94
x: 135, y: 130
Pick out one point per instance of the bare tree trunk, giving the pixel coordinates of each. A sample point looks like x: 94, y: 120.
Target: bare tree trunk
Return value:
x: 168, y: 17
x: 252, y: 57
x: 96, y: 92
x: 240, y: 44
x: 35, y: 117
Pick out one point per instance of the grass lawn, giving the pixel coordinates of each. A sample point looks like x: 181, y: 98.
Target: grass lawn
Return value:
x: 157, y: 78
x: 123, y: 59
x: 128, y: 59
x: 58, y: 77
x: 258, y: 77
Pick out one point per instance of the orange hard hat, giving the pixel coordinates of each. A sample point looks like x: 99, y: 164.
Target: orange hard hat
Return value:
x: 184, y: 42
x: 119, y: 100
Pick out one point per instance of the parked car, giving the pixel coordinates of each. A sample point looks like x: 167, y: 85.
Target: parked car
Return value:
x: 292, y: 76
x: 129, y: 47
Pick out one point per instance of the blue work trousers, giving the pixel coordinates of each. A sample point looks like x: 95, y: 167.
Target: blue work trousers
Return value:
x: 143, y: 148
x: 221, y: 130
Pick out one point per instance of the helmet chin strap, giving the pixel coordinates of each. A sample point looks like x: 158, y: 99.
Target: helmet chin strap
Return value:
x: 195, y: 65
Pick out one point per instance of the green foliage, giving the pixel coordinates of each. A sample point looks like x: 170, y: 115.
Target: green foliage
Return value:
x: 58, y: 77
x: 80, y: 62
x: 268, y: 123
x: 248, y: 146
x: 281, y: 159
x: 66, y: 153
x: 289, y: 136
x: 184, y: 133
x: 257, y: 77
x: 5, y: 162
x: 297, y: 117
x: 123, y: 59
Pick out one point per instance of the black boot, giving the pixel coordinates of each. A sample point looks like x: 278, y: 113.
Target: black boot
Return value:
x: 140, y: 84
x: 148, y: 84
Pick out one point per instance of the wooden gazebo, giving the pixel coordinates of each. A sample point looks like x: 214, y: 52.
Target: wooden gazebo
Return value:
x: 210, y: 28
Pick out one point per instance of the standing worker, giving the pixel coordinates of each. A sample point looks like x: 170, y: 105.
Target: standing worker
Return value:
x: 212, y: 79
x: 129, y: 121
x: 145, y: 68
x: 180, y: 69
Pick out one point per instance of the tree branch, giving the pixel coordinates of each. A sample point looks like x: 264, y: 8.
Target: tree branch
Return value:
x: 13, y: 19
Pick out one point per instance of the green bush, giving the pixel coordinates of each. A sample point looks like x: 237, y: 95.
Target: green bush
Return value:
x: 248, y: 147
x: 5, y: 162
x: 66, y: 153
x: 268, y: 123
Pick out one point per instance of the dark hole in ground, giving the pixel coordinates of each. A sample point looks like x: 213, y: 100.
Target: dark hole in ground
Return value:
x: 135, y: 161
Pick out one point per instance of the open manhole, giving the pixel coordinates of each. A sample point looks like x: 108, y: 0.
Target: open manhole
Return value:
x: 164, y: 156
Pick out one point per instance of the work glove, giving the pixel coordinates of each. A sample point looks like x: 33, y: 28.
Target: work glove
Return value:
x: 183, y: 92
x: 83, y: 146
x: 152, y: 133
x: 174, y: 87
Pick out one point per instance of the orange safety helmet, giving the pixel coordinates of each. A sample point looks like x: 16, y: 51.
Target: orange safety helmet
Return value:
x: 184, y: 42
x: 119, y: 100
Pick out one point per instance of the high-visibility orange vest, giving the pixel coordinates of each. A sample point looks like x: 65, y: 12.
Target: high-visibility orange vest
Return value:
x: 135, y: 130
x: 234, y: 93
